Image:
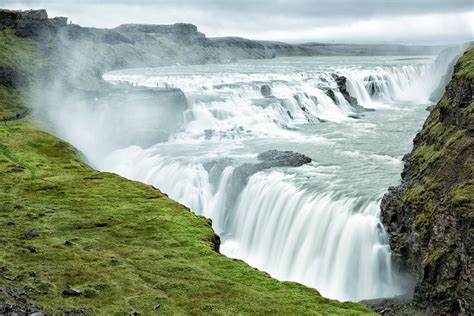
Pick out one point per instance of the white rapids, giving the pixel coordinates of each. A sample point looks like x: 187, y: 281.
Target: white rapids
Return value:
x: 317, y: 224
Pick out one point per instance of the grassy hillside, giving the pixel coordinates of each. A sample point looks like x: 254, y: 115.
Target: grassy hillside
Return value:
x: 123, y: 244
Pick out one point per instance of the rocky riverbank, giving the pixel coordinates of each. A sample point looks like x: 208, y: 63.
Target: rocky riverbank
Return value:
x: 429, y: 216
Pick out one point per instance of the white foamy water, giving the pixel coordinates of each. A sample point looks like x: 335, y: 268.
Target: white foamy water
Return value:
x: 317, y: 224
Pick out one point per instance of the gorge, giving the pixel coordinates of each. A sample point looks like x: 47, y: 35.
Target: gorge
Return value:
x: 289, y: 156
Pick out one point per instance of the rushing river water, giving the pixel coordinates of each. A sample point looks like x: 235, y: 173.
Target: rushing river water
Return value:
x: 317, y: 224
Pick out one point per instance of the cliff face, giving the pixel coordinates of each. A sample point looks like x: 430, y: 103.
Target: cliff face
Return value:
x: 429, y: 216
x: 82, y: 54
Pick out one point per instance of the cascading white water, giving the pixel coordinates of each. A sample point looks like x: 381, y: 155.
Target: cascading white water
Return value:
x: 317, y: 224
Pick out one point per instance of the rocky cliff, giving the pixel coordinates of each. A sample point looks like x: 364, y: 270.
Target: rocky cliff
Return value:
x: 429, y: 216
x: 82, y: 54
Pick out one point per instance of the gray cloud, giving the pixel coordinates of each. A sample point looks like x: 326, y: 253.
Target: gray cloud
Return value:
x: 294, y: 21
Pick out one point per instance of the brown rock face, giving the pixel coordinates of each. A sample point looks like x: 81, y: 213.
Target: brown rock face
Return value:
x: 429, y: 216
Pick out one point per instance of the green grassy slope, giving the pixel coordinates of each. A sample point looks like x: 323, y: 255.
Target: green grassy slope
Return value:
x: 124, y: 244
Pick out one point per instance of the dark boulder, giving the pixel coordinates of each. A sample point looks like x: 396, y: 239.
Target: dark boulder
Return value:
x: 31, y: 234
x: 332, y: 95
x: 269, y: 159
x: 341, y: 82
x: 266, y: 91
x: 72, y: 292
x: 355, y: 116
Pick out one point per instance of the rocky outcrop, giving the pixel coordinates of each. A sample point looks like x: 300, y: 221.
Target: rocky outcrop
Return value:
x: 265, y: 90
x: 31, y: 23
x: 429, y: 216
x: 341, y: 82
x: 9, y: 77
x: 269, y: 159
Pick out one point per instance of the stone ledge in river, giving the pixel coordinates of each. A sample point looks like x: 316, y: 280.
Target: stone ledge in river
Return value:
x: 269, y: 159
x: 341, y: 82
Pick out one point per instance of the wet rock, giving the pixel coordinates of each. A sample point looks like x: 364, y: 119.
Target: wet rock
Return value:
x: 31, y: 234
x: 72, y: 292
x: 208, y: 133
x: 341, y: 82
x: 156, y: 306
x: 332, y: 95
x: 355, y: 116
x: 277, y: 158
x: 269, y: 159
x: 68, y: 243
x: 216, y: 167
x: 266, y: 91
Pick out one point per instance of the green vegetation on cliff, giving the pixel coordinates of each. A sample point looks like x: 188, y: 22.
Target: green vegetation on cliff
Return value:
x: 429, y: 217
x: 125, y: 245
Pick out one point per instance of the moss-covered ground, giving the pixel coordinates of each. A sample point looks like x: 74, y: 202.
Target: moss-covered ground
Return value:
x: 125, y: 245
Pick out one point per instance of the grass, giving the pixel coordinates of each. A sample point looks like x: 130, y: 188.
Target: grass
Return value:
x: 129, y: 246
x: 466, y: 65
x: 10, y: 103
x: 124, y: 244
x: 26, y: 59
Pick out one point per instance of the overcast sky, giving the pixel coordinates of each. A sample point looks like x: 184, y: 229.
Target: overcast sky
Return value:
x: 349, y: 21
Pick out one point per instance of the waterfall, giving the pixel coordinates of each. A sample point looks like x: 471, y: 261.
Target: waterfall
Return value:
x: 310, y: 224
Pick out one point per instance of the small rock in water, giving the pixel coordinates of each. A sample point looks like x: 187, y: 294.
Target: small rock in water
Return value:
x: 68, y: 243
x: 34, y: 274
x: 37, y: 314
x: 265, y: 90
x: 72, y: 292
x: 31, y: 234
x: 332, y: 95
x: 355, y: 116
x: 156, y: 306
